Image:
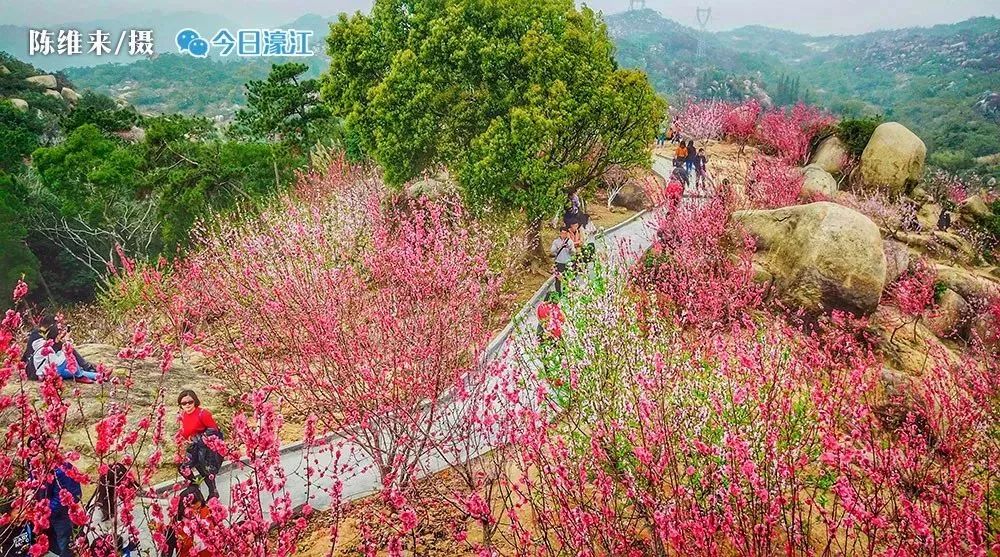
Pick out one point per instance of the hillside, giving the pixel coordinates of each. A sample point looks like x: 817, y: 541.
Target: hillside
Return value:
x: 940, y: 81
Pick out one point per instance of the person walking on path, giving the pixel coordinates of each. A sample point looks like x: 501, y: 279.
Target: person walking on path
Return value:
x: 701, y: 169
x: 109, y: 534
x: 197, y: 424
x: 691, y: 158
x: 680, y: 154
x: 562, y: 250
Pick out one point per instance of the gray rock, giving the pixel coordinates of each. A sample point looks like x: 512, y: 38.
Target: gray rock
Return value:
x: 823, y: 256
x: 47, y: 81
x: 70, y: 95
x: 893, y: 159
x: 818, y: 181
x: 830, y: 155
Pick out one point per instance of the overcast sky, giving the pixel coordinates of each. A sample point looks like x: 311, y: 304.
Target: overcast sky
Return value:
x: 808, y: 16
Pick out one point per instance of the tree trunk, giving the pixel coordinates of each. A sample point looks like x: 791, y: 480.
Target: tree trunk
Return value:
x: 535, y: 249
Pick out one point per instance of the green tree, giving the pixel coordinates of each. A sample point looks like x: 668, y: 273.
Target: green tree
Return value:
x: 88, y: 173
x: 101, y: 111
x: 523, y: 100
x: 16, y: 260
x: 193, y: 171
x: 284, y: 107
x: 19, y: 135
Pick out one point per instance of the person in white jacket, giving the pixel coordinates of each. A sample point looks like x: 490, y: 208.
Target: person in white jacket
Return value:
x: 49, y: 354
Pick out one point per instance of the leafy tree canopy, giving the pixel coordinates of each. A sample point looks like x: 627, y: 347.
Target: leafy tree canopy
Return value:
x: 522, y: 99
x: 284, y: 107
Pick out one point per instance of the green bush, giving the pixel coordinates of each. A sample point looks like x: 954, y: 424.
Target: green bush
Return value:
x: 952, y: 160
x: 856, y: 132
x: 990, y: 227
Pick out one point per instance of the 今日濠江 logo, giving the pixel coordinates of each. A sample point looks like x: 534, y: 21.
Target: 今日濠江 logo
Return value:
x: 246, y: 42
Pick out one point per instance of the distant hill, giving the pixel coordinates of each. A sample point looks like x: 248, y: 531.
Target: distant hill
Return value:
x: 941, y: 81
x: 210, y: 86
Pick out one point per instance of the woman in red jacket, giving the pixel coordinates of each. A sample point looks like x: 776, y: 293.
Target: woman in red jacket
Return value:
x: 196, y: 423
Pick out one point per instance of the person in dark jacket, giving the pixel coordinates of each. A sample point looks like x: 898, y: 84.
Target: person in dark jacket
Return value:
x: 60, y: 526
x: 692, y: 158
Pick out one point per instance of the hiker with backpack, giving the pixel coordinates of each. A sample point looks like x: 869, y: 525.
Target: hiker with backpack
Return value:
x: 198, y: 425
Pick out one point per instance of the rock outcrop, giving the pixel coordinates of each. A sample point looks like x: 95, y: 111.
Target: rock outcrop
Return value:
x: 817, y: 181
x: 19, y: 104
x: 830, y: 155
x: 70, y: 95
x: 47, y: 81
x: 897, y: 260
x: 53, y: 93
x: 631, y: 197
x: 823, y: 256
x: 893, y: 158
x: 951, y: 317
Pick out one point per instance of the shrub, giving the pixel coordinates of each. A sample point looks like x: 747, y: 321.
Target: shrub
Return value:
x: 856, y: 132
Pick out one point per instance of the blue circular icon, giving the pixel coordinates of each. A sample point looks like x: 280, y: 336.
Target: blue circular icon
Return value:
x: 198, y: 47
x: 184, y: 39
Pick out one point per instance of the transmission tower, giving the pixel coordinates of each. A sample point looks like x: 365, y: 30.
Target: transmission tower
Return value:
x: 633, y: 3
x: 703, y: 14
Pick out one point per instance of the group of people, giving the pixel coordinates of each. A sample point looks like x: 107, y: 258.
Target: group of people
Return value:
x: 107, y: 533
x: 49, y: 350
x: 574, y: 248
x: 691, y: 162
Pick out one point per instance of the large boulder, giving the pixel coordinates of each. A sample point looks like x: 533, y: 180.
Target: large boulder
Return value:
x: 830, y: 155
x: 897, y: 260
x: 19, y: 104
x: 951, y: 317
x: 974, y: 209
x: 817, y: 181
x: 893, y: 158
x: 4, y: 70
x: 631, y: 197
x: 70, y: 95
x: 53, y: 93
x: 47, y: 81
x: 823, y: 256
x: 970, y: 284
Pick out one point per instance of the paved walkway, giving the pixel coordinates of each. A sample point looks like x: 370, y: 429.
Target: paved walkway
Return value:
x: 622, y: 243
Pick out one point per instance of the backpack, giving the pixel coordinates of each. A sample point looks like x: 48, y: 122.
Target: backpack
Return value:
x: 203, y: 454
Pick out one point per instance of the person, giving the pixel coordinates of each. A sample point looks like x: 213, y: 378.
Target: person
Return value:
x: 944, y: 220
x: 680, y: 154
x: 49, y: 352
x: 109, y: 535
x: 197, y: 424
x: 28, y: 357
x: 573, y: 209
x: 576, y: 233
x: 701, y: 168
x: 60, y: 531
x: 550, y: 318
x: 562, y: 250
x: 675, y: 187
x: 691, y: 158
x: 191, y: 503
